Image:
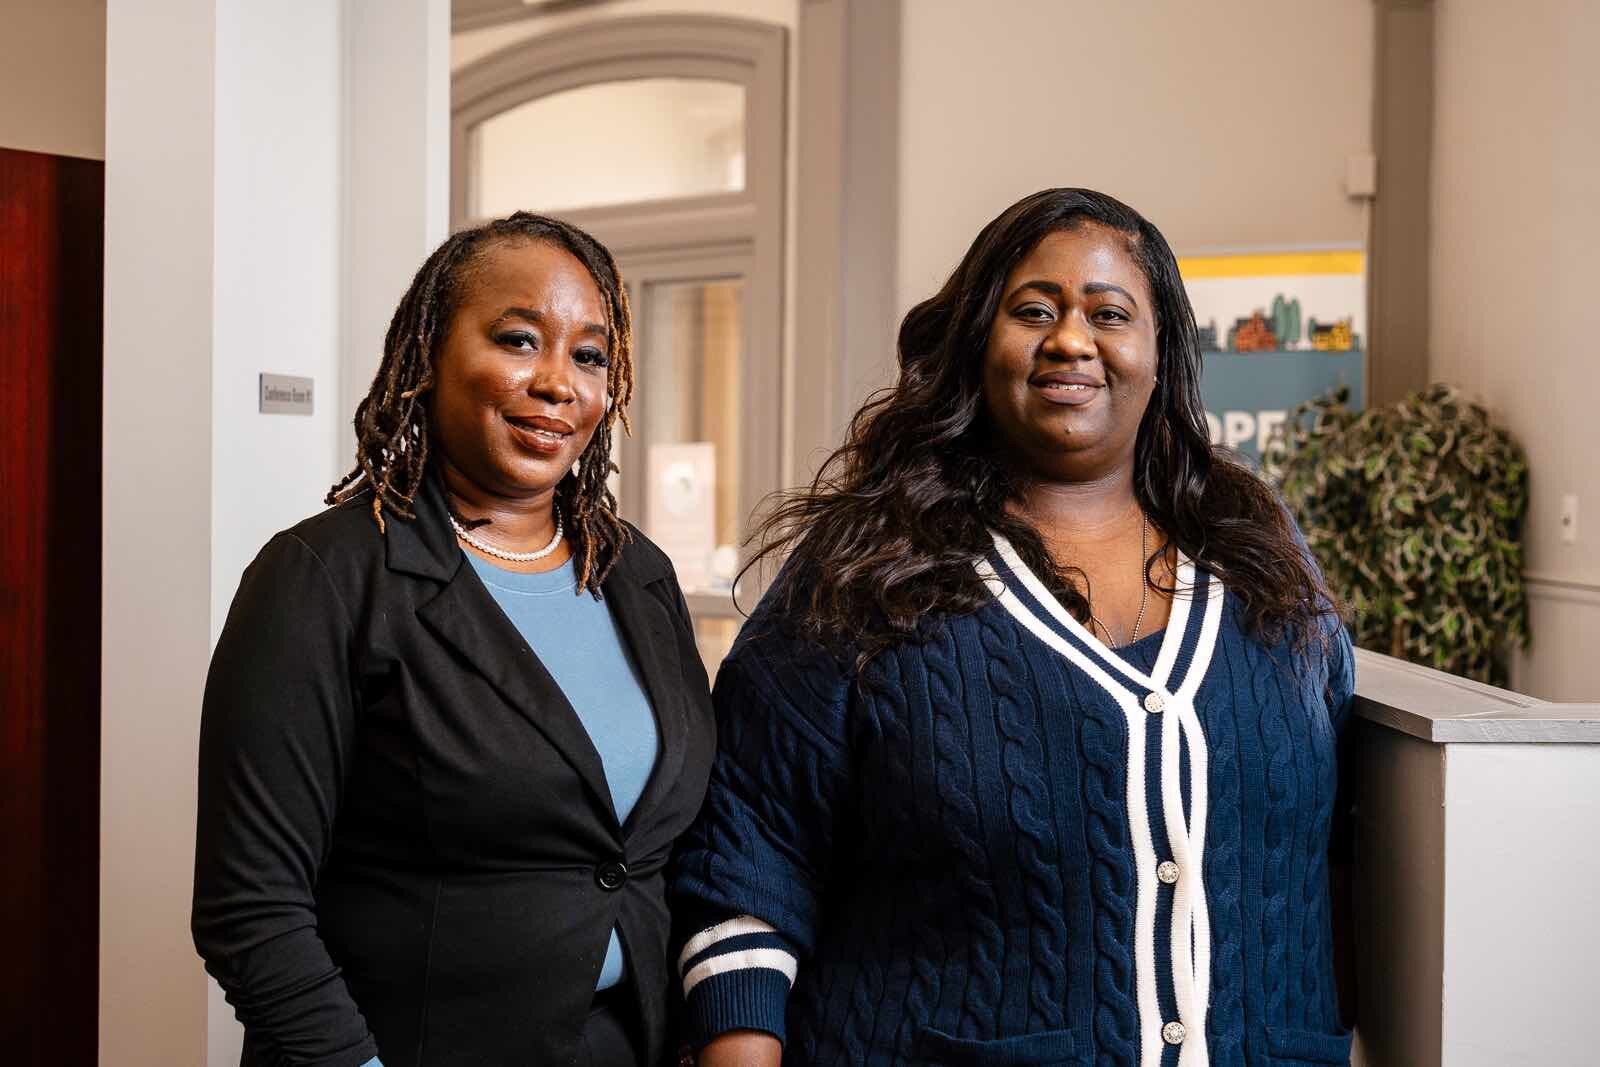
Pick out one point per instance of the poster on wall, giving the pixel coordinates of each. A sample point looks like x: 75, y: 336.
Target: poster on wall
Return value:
x: 680, y: 508
x: 1276, y: 329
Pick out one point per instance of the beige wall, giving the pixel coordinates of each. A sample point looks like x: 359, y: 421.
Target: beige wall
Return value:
x: 53, y: 76
x: 1226, y: 123
x: 1516, y: 222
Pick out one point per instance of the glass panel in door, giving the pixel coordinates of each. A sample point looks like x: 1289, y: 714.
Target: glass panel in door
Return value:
x: 687, y: 422
x: 616, y: 142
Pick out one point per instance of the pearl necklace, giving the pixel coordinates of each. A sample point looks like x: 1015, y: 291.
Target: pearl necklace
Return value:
x: 511, y: 557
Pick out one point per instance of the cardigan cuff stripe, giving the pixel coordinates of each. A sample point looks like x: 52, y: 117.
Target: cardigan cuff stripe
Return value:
x: 740, y: 943
x: 747, y: 998
x: 735, y: 927
x: 771, y: 959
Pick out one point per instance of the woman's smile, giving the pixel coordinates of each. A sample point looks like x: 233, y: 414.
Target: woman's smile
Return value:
x: 543, y: 434
x: 1068, y: 388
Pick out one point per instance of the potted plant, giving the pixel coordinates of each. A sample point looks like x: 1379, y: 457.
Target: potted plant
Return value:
x: 1414, y: 511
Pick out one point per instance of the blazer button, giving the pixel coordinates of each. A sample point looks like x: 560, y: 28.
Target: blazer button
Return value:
x: 611, y: 875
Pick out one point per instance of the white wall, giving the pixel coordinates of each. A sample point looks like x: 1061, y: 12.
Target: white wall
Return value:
x: 1226, y: 123
x: 279, y: 198
x: 1520, y: 927
x: 279, y: 207
x: 156, y: 604
x: 1516, y: 162
x: 397, y: 151
x: 53, y: 76
x: 268, y: 185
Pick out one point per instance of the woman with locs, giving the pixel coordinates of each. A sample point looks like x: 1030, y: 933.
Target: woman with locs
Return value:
x: 455, y: 723
x: 1028, y: 755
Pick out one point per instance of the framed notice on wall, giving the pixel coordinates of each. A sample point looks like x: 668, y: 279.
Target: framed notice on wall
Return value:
x: 681, y: 508
x: 1276, y: 329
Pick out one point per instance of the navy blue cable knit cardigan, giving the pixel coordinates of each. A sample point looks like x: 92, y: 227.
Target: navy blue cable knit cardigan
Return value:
x: 1007, y: 844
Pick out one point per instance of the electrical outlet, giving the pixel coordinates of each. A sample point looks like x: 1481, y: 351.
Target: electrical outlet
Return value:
x: 1569, y: 518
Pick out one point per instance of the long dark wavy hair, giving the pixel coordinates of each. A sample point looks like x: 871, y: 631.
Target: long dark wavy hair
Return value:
x: 886, y: 535
x: 392, y: 438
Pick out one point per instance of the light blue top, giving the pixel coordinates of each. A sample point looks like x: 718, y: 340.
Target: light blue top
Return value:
x: 578, y: 642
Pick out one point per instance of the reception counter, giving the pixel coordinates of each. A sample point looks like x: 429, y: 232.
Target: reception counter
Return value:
x: 1477, y: 873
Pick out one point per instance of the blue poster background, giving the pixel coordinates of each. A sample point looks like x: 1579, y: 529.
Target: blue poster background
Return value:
x: 1248, y: 393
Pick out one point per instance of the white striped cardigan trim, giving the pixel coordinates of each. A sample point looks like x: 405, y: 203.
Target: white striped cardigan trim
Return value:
x: 1190, y: 960
x: 712, y: 963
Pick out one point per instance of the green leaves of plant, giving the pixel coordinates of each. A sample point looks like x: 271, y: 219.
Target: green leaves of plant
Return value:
x: 1415, y: 512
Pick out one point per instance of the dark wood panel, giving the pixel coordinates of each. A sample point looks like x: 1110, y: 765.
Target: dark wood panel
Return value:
x: 51, y: 241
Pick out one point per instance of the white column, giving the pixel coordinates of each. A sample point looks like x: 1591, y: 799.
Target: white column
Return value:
x: 156, y: 608
x: 275, y: 173
x: 398, y: 147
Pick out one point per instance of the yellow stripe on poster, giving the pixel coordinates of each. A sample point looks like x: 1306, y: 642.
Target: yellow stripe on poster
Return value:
x: 1257, y: 264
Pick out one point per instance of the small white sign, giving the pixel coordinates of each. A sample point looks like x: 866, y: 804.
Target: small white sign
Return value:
x: 681, y: 508
x: 283, y: 394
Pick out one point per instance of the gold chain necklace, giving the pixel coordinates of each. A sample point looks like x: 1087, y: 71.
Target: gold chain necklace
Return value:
x: 1144, y: 587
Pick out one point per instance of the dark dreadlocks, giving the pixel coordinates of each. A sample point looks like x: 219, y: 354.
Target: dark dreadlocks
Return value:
x: 392, y: 421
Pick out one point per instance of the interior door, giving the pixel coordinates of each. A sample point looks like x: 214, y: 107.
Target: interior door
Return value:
x: 682, y: 474
x: 51, y: 240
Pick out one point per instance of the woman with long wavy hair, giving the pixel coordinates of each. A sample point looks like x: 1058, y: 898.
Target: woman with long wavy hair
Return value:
x: 1027, y: 756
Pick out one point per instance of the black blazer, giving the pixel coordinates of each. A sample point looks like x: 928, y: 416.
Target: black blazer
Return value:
x: 406, y: 843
